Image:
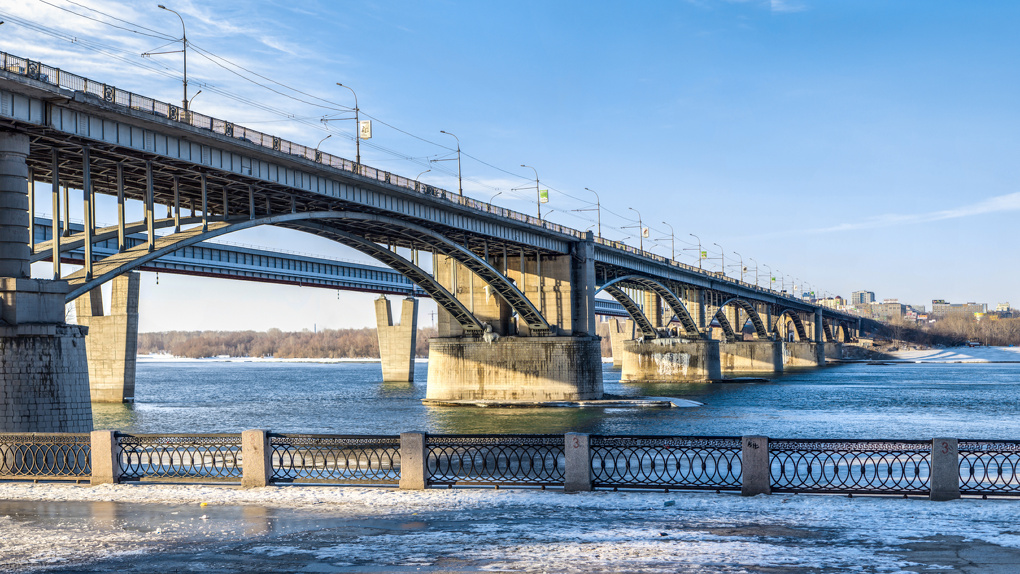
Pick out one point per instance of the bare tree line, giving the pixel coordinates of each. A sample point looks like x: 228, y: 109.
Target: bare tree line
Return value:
x: 957, y: 330
x: 325, y: 344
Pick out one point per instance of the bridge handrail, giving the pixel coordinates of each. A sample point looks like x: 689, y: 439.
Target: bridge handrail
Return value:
x: 62, y: 79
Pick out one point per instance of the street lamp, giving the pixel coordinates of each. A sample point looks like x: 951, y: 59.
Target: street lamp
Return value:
x: 770, y: 276
x: 421, y: 174
x: 672, y: 241
x: 699, y: 248
x: 538, y: 194
x: 494, y: 196
x: 755, y: 270
x: 320, y: 141
x: 641, y: 230
x: 598, y: 209
x: 722, y: 258
x: 782, y: 280
x: 741, y: 265
x: 192, y: 99
x: 460, y: 184
x: 357, y: 127
x: 184, y: 48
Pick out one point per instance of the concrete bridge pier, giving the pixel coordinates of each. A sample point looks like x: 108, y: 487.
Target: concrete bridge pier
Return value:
x: 803, y: 354
x: 742, y: 358
x: 397, y: 342
x: 514, y: 361
x: 671, y: 361
x: 619, y: 333
x: 44, y: 381
x: 112, y: 340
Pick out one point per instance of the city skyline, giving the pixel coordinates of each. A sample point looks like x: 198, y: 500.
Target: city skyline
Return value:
x: 839, y: 146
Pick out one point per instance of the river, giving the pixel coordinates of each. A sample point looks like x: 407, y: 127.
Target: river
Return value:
x: 903, y: 401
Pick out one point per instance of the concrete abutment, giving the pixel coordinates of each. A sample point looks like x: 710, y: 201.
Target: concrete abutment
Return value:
x: 397, y: 342
x: 671, y: 360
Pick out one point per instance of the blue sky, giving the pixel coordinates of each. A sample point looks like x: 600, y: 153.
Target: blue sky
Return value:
x: 849, y: 145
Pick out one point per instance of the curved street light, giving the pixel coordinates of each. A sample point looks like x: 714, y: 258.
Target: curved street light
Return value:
x: 770, y: 276
x: 538, y: 194
x: 672, y: 241
x: 322, y: 140
x: 184, y: 48
x: 598, y: 209
x: 460, y: 183
x: 699, y: 248
x: 421, y: 174
x: 357, y: 127
x: 741, y: 265
x: 641, y: 230
x: 494, y: 196
x: 722, y: 258
x: 755, y: 270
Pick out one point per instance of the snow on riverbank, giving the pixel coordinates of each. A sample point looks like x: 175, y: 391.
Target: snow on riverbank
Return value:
x: 962, y: 355
x: 165, y: 358
x: 514, y: 529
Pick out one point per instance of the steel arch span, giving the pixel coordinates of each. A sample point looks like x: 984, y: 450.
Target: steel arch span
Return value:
x: 318, y: 223
x: 752, y: 314
x: 798, y: 323
x: 675, y: 303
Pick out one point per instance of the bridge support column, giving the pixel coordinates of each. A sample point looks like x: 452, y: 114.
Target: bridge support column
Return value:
x: 397, y: 342
x: 515, y: 369
x: 653, y: 309
x: 112, y: 340
x: 751, y: 357
x: 803, y: 354
x: 619, y: 333
x: 671, y: 361
x: 43, y: 374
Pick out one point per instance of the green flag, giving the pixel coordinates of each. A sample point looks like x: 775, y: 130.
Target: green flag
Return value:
x: 543, y: 196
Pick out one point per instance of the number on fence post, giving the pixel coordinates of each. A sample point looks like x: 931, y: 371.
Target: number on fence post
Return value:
x: 945, y: 469
x: 577, y: 474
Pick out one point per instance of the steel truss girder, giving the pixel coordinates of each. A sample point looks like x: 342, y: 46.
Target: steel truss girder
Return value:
x: 647, y: 329
x: 797, y: 323
x: 120, y: 263
x: 44, y: 249
x: 675, y: 303
x: 752, y: 313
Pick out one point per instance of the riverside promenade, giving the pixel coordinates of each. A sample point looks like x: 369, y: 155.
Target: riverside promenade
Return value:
x: 132, y: 528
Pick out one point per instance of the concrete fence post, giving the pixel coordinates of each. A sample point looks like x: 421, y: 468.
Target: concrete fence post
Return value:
x: 105, y: 457
x: 414, y: 456
x: 577, y: 476
x: 755, y: 470
x: 945, y: 469
x: 256, y: 459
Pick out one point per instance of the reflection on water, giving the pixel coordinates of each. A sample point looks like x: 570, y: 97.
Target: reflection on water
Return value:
x: 852, y: 401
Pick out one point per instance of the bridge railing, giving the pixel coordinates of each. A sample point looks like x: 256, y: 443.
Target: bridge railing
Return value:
x: 871, y: 467
x: 113, y: 95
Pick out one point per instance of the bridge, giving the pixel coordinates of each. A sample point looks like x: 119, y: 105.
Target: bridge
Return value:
x: 516, y: 294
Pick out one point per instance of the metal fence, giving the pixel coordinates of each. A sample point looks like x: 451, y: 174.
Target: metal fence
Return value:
x: 703, y: 463
x: 49, y: 456
x: 989, y: 468
x: 345, y: 459
x: 885, y: 467
x: 113, y: 95
x: 180, y: 457
x: 850, y: 466
x: 509, y: 460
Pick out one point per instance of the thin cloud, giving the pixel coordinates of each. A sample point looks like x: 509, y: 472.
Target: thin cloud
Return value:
x: 997, y: 204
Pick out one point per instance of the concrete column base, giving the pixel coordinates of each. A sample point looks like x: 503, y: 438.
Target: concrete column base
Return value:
x: 397, y: 342
x: 44, y: 379
x: 619, y: 333
x: 515, y: 369
x: 671, y: 361
x: 112, y: 340
x: 803, y: 355
x: 751, y: 357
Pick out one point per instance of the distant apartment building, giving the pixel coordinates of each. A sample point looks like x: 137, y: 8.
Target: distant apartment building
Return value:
x: 888, y: 310
x: 862, y: 298
x: 836, y: 302
x: 941, y: 308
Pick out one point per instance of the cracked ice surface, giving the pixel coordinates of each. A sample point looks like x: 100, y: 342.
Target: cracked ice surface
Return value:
x: 363, y: 529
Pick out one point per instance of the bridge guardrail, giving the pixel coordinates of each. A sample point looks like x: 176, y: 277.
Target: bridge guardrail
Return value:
x: 111, y: 94
x: 982, y: 468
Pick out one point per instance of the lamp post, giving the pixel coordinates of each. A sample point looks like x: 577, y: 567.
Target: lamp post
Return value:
x: 357, y: 128
x: 782, y: 280
x: 722, y: 258
x: 770, y: 276
x: 699, y: 248
x: 322, y: 140
x: 641, y: 230
x: 460, y: 183
x: 672, y: 241
x: 184, y: 48
x: 741, y: 265
x: 193, y: 99
x: 538, y: 193
x: 421, y: 174
x: 755, y: 270
x: 598, y: 209
x: 494, y: 196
